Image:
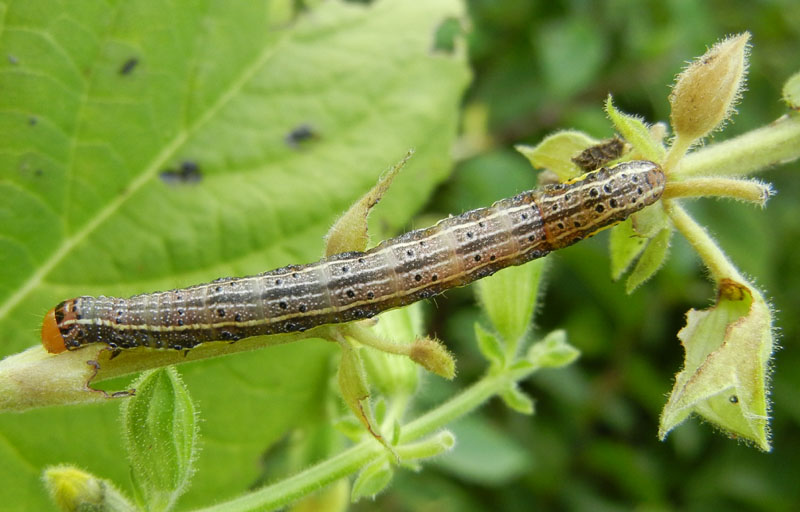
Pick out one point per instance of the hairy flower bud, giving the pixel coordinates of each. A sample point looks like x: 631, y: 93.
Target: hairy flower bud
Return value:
x: 707, y: 90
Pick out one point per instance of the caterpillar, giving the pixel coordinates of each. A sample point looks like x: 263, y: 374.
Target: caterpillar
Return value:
x: 356, y: 285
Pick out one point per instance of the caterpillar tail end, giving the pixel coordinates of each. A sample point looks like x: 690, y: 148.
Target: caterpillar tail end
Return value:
x: 51, y: 335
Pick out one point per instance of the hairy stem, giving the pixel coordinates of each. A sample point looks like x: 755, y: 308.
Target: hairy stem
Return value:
x: 743, y: 190
x: 281, y: 494
x: 755, y: 150
x: 718, y: 264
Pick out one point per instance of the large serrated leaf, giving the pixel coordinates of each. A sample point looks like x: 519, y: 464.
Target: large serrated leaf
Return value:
x: 267, y: 130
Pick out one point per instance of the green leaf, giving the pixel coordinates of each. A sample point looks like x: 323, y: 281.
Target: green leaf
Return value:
x: 509, y: 298
x: 633, y: 237
x: 651, y: 260
x: 160, y: 433
x: 625, y: 245
x: 228, y: 87
x: 636, y: 132
x: 724, y: 376
x: 372, y: 480
x: 517, y: 400
x: 490, y: 346
x: 553, y: 351
x: 578, y: 41
x: 556, y: 151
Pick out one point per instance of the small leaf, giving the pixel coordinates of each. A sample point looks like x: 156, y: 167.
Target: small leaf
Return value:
x: 517, y: 399
x: 707, y: 90
x: 724, y: 377
x: 509, y: 298
x: 489, y: 346
x: 373, y: 479
x: 650, y: 221
x: 630, y: 238
x: 349, y: 232
x: 555, y: 153
x: 650, y: 261
x: 160, y: 433
x: 74, y: 490
x: 636, y: 132
x: 791, y: 91
x: 553, y: 351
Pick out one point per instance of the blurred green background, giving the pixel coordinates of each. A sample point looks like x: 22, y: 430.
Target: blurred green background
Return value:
x: 545, y: 66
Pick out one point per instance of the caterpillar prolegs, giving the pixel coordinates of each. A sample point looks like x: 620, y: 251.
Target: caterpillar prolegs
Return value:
x: 356, y: 285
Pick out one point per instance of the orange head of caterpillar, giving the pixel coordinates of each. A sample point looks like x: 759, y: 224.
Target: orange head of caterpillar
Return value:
x: 52, y: 339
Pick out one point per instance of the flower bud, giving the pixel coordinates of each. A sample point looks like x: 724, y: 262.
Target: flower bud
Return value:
x: 706, y: 91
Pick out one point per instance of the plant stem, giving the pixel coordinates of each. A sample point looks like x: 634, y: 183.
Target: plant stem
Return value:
x: 755, y: 150
x: 713, y: 257
x: 281, y: 494
x: 743, y: 190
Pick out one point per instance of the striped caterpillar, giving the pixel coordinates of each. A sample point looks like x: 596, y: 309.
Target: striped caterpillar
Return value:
x: 356, y: 285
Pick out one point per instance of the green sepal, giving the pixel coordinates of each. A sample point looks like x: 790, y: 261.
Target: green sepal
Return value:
x: 791, y: 91
x: 349, y: 232
x: 160, y: 435
x: 490, y: 346
x: 372, y: 480
x: 509, y: 299
x: 555, y: 153
x: 724, y: 377
x: 650, y: 221
x: 355, y: 390
x: 625, y: 245
x: 630, y: 238
x: 637, y: 133
x: 517, y: 399
x: 553, y: 351
x: 650, y: 261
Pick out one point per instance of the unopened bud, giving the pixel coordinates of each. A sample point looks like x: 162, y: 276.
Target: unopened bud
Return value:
x: 434, y: 357
x: 707, y: 90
